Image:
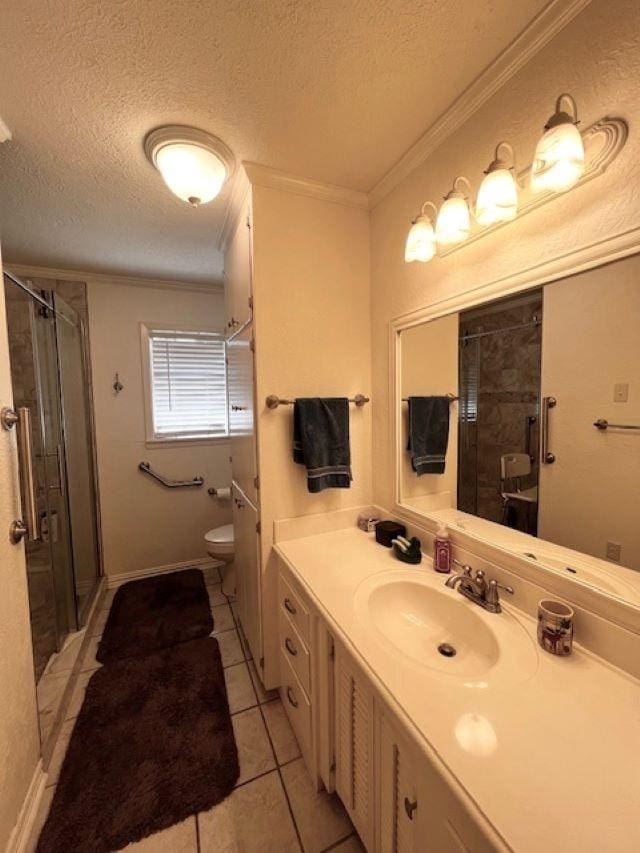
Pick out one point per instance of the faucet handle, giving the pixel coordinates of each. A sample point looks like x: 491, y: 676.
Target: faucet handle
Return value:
x: 466, y: 568
x: 497, y: 585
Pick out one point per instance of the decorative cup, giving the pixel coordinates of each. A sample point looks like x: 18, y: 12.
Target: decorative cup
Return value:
x: 555, y: 627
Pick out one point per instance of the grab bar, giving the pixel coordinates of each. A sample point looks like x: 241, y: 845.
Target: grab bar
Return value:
x: 546, y: 457
x: 603, y: 424
x: 170, y: 484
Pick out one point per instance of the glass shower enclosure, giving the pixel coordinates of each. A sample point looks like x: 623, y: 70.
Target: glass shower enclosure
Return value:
x: 48, y: 372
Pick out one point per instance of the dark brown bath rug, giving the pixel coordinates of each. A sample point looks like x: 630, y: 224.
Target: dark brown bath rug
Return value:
x: 154, y: 613
x: 153, y: 744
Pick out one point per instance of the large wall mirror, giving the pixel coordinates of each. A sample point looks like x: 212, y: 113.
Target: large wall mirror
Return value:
x: 542, y: 447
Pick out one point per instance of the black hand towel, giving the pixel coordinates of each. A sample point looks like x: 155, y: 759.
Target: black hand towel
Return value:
x: 428, y: 433
x: 321, y: 441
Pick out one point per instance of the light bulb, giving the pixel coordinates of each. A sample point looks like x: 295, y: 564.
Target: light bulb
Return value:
x: 497, y: 199
x: 421, y: 240
x: 454, y: 220
x: 559, y: 159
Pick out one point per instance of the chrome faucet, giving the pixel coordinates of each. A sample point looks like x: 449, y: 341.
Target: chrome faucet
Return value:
x: 477, y: 588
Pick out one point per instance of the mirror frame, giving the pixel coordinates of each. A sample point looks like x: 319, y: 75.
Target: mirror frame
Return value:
x: 612, y: 607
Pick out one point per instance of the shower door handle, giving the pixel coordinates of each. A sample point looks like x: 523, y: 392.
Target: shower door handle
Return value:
x: 25, y: 453
x: 546, y: 457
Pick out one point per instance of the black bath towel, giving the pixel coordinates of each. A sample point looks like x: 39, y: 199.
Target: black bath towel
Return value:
x: 321, y: 441
x: 428, y: 433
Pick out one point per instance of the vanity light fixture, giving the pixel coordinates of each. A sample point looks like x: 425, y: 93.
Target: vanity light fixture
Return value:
x: 559, y: 159
x: 421, y: 239
x: 454, y: 218
x: 497, y: 199
x: 193, y: 164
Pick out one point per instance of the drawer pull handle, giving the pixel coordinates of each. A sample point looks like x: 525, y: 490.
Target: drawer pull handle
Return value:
x: 290, y: 647
x: 289, y: 606
x: 410, y: 807
x: 292, y: 700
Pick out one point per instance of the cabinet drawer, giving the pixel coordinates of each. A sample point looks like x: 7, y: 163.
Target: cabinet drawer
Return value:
x: 296, y: 610
x: 296, y: 705
x: 295, y: 650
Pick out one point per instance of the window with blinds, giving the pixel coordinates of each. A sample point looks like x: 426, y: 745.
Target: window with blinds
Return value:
x: 188, y: 385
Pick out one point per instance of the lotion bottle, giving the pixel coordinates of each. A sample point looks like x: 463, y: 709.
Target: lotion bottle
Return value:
x: 442, y: 550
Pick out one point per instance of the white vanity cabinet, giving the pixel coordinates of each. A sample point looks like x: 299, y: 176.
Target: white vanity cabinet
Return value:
x: 396, y: 796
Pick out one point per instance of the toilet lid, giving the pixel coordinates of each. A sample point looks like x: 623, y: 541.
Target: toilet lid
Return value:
x: 220, y: 535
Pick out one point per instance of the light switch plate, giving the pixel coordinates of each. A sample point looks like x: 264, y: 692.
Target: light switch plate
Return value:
x: 621, y: 392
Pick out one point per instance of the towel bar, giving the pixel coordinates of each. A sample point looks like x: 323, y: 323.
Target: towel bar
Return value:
x: 170, y: 484
x: 452, y: 397
x: 272, y: 402
x: 603, y: 424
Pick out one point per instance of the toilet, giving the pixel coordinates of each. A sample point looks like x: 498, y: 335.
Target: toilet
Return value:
x: 219, y: 544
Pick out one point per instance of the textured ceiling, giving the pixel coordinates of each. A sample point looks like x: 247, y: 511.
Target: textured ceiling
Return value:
x: 334, y: 90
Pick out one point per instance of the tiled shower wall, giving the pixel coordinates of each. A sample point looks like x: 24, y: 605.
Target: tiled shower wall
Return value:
x: 500, y: 390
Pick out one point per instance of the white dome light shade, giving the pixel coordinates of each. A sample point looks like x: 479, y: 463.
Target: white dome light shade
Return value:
x: 192, y: 173
x: 559, y: 159
x: 421, y: 239
x: 497, y: 199
x: 193, y: 164
x: 454, y: 219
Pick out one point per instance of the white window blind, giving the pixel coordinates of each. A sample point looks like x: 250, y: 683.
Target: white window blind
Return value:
x: 188, y: 384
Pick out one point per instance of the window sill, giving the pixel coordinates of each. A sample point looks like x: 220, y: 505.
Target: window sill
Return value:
x: 158, y: 443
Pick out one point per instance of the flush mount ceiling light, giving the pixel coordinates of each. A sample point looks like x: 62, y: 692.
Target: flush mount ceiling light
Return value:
x: 193, y: 164
x: 454, y: 219
x: 421, y: 239
x: 498, y: 194
x: 559, y: 160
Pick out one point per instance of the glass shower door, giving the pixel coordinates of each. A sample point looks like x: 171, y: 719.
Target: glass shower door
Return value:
x: 34, y: 382
x: 78, y: 458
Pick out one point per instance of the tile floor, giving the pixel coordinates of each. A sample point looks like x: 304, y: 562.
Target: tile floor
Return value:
x: 273, y: 807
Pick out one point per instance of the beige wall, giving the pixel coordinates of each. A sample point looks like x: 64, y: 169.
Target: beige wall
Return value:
x: 19, y: 741
x: 597, y: 59
x: 145, y: 524
x: 429, y: 365
x: 591, y: 341
x: 311, y: 293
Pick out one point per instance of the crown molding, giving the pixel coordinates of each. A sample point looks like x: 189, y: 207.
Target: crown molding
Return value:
x: 24, y: 270
x: 548, y: 23
x: 264, y: 176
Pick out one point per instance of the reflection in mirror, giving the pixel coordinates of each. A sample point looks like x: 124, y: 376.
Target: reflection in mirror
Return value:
x: 527, y: 468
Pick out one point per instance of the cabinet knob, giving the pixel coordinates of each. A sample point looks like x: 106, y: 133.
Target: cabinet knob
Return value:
x: 290, y: 647
x: 289, y: 606
x: 292, y: 700
x: 410, y: 807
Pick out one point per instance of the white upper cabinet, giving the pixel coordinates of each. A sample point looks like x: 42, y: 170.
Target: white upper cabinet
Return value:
x: 242, y: 432
x: 237, y: 274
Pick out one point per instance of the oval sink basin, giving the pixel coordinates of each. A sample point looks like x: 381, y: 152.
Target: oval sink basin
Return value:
x: 442, y: 631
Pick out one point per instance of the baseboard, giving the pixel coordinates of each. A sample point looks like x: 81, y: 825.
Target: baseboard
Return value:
x: 18, y: 843
x: 114, y: 581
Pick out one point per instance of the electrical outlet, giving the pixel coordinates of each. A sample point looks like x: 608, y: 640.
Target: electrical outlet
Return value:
x: 621, y: 392
x: 614, y: 550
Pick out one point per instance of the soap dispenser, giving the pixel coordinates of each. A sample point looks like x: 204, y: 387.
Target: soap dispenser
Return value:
x: 442, y: 550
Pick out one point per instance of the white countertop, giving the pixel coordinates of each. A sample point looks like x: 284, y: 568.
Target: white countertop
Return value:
x: 553, y: 761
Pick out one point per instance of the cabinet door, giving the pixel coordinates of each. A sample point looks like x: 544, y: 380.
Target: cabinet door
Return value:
x: 416, y: 809
x: 398, y: 809
x: 354, y: 745
x: 247, y: 563
x: 237, y: 274
x: 241, y: 412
